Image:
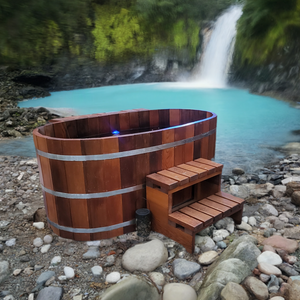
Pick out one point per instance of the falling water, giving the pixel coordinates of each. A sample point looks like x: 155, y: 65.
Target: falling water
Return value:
x: 217, y: 55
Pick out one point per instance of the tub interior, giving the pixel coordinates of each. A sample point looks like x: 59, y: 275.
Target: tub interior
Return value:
x: 134, y: 122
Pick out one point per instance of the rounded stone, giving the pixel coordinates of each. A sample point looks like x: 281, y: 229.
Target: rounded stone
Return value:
x: 37, y: 242
x: 270, y: 258
x: 145, y: 257
x: 269, y: 269
x: 184, y: 268
x: 257, y: 288
x: 208, y: 257
x: 233, y: 291
x: 56, y: 260
x: 157, y: 278
x: 39, y: 225
x: 45, y: 248
x: 280, y: 242
x: 48, y: 239
x: 113, y: 277
x: 131, y: 288
x: 69, y: 272
x: 179, y: 291
x: 97, y: 270
x: 277, y: 298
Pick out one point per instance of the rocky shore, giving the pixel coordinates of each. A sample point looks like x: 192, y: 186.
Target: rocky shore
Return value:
x: 258, y: 259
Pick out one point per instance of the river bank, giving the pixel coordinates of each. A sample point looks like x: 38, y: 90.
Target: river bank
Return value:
x: 29, y: 250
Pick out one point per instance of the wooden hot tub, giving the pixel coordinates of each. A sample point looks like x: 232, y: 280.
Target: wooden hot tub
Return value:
x: 93, y: 181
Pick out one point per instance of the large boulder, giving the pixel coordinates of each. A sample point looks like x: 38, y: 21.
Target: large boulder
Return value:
x: 230, y: 270
x: 145, y: 257
x: 131, y: 288
x: 234, y: 265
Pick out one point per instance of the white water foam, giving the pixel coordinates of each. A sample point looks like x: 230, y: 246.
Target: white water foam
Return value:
x: 217, y: 56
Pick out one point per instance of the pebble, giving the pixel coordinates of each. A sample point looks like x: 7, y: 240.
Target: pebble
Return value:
x: 92, y: 253
x: 288, y: 270
x: 51, y: 292
x: 93, y: 243
x: 37, y: 242
x: 56, y: 260
x: 220, y: 235
x: 97, y: 270
x: 110, y: 261
x: 45, y: 248
x: 208, y: 257
x: 48, y: 239
x: 157, y: 278
x: 10, y: 242
x: 264, y: 277
x: 178, y: 291
x: 270, y: 258
x: 44, y: 277
x: 257, y: 288
x: 269, y: 269
x: 16, y: 272
x: 184, y: 269
x: 31, y: 296
x: 9, y: 297
x: 69, y: 272
x: 113, y: 277
x: 244, y: 226
x: 252, y: 221
x: 39, y: 225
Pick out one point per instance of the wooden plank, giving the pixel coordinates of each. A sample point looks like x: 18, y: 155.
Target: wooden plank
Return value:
x: 207, y: 219
x: 191, y: 175
x: 180, y: 178
x: 174, y: 117
x: 207, y: 210
x: 189, y: 147
x: 179, y: 151
x: 144, y: 119
x: 201, y: 172
x: 230, y: 197
x: 124, y: 121
x: 209, y: 162
x: 154, y: 119
x: 222, y: 201
x: 162, y: 181
x: 186, y: 221
x: 155, y: 158
x: 168, y: 154
x: 214, y: 205
x: 204, y: 141
x: 209, y: 169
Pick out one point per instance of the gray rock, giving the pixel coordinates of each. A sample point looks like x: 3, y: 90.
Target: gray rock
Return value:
x: 50, y: 293
x: 238, y: 171
x: 292, y: 233
x: 223, y: 223
x: 257, y: 288
x: 288, y: 270
x: 221, y: 245
x: 233, y: 291
x: 145, y: 257
x: 244, y: 226
x: 278, y: 225
x: 44, y: 277
x: 252, y: 221
x: 268, y: 210
x: 274, y: 282
x: 220, y: 235
x: 92, y: 253
x: 184, y: 269
x: 208, y: 257
x: 131, y: 288
x: 296, y: 198
x: 205, y: 243
x: 230, y: 270
x: 179, y: 291
x: 240, y: 191
x: 243, y: 248
x: 4, y: 269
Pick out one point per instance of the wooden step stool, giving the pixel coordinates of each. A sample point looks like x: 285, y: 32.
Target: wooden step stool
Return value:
x: 187, y: 198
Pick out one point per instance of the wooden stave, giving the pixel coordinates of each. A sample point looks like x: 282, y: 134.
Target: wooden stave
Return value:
x: 155, y: 162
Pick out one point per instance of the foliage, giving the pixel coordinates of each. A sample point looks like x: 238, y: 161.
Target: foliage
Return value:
x: 117, y: 34
x: 34, y: 30
x: 265, y: 27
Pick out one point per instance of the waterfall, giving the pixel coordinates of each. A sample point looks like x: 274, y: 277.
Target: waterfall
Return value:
x: 217, y: 56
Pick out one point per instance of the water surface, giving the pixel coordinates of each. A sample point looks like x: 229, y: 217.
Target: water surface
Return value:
x: 249, y: 126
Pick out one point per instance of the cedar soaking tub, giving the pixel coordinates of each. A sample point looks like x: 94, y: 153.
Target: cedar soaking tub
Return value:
x: 93, y: 168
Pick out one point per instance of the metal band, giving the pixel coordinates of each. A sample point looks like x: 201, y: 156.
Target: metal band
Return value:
x: 92, y: 230
x: 94, y: 195
x: 124, y: 153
